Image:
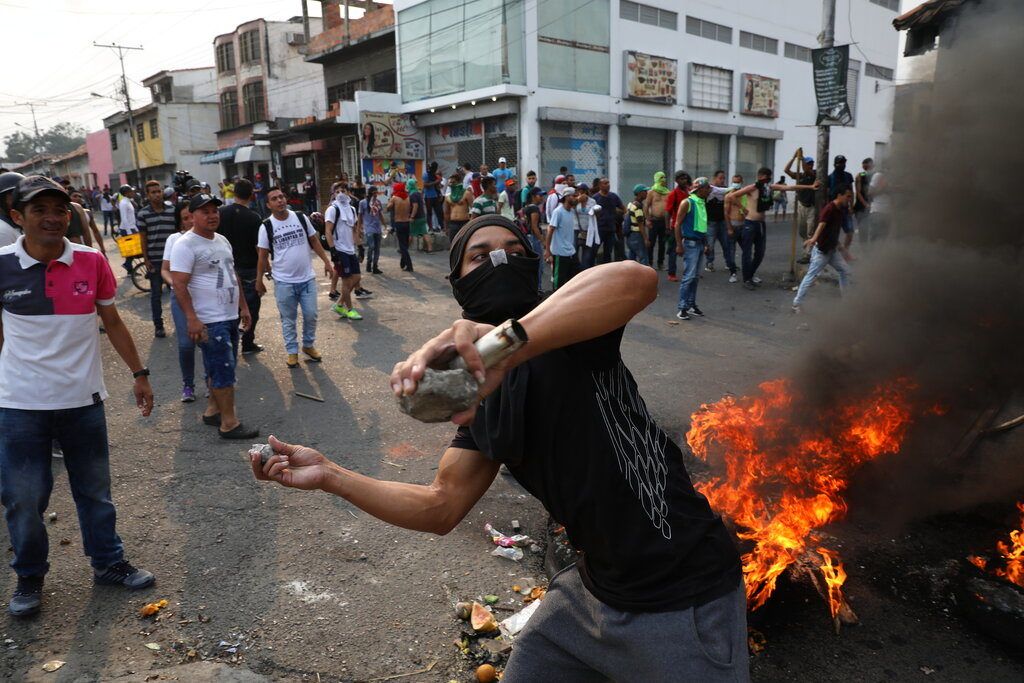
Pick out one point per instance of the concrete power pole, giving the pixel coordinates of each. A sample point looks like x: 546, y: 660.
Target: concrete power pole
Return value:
x: 826, y: 39
x: 37, y: 146
x: 128, y: 104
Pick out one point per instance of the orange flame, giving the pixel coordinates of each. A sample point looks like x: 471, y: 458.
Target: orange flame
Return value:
x: 783, y: 479
x: 1012, y: 555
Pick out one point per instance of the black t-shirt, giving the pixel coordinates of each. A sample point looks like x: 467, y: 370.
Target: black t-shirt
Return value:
x: 806, y: 197
x: 832, y: 216
x: 715, y: 208
x: 241, y: 226
x: 528, y: 211
x: 573, y: 430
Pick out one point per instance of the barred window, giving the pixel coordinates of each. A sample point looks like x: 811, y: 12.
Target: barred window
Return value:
x: 226, y: 58
x: 249, y: 46
x: 154, y: 129
x: 759, y: 42
x: 710, y: 87
x: 252, y: 101
x: 140, y: 131
x: 707, y: 29
x: 229, y: 109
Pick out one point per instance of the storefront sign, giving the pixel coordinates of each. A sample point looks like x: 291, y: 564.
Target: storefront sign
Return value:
x: 650, y: 78
x: 386, y: 172
x: 457, y: 132
x: 760, y: 96
x: 389, y: 136
x: 830, y: 69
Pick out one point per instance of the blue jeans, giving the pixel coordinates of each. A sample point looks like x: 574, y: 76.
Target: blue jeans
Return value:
x: 637, y: 248
x: 26, y: 481
x: 820, y: 259
x: 693, y: 256
x: 538, y: 249
x: 186, y: 347
x: 289, y: 298
x: 108, y: 221
x: 253, y: 300
x: 718, y: 231
x: 752, y: 241
x: 372, y: 251
x: 220, y: 353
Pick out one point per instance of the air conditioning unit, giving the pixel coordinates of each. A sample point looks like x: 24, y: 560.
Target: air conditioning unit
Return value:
x: 296, y: 38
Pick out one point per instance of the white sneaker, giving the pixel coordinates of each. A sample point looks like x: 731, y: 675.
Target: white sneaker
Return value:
x: 756, y: 280
x: 733, y: 278
x: 797, y: 309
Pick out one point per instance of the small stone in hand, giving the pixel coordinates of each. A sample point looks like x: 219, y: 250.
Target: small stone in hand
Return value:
x: 264, y: 450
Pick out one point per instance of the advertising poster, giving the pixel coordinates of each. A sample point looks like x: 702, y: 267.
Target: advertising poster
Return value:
x: 389, y: 136
x: 386, y: 172
x: 650, y: 78
x: 760, y: 96
x: 830, y: 68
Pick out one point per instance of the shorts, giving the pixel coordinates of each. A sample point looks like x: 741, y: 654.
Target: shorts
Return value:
x: 220, y: 353
x: 345, y: 265
x: 419, y: 227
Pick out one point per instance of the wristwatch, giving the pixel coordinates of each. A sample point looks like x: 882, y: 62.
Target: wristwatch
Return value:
x: 144, y: 372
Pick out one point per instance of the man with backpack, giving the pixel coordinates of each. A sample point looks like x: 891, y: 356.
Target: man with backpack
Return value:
x: 341, y: 221
x: 241, y: 226
x: 286, y: 238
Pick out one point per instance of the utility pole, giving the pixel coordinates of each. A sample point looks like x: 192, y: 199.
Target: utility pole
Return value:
x: 37, y: 147
x: 128, y: 103
x: 826, y: 39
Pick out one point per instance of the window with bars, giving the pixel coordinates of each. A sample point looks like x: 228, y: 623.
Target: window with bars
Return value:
x: 710, y: 87
x: 113, y: 139
x: 875, y: 71
x: 140, y: 131
x: 707, y: 29
x: 252, y: 101
x: 759, y: 42
x: 226, y: 58
x: 894, y: 5
x: 345, y: 92
x: 249, y: 46
x: 853, y: 88
x: 798, y: 52
x: 646, y: 14
x: 229, y: 109
x: 154, y: 129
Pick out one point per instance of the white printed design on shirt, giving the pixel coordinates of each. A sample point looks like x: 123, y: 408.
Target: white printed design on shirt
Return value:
x: 225, y: 277
x: 638, y: 443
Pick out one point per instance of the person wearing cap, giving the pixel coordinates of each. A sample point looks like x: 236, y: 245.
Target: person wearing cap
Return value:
x: 156, y: 223
x: 52, y: 389
x: 840, y: 177
x: 560, y: 241
x: 508, y: 199
x: 126, y: 209
x: 534, y: 227
x: 209, y: 294
x: 9, y: 230
x: 564, y: 414
x: 502, y: 174
x: 635, y: 226
x: 691, y: 233
x: 806, y: 209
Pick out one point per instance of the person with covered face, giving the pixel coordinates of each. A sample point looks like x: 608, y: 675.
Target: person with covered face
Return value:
x: 657, y: 593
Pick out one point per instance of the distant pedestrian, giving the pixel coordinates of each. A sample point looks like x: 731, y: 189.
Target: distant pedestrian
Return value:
x: 840, y: 177
x: 341, y: 221
x: 371, y: 217
x: 186, y: 347
x: 691, y: 233
x: 401, y: 211
x: 609, y: 218
x: 259, y: 188
x: 432, y: 198
x: 502, y: 174
x: 862, y: 198
x: 718, y: 229
x: 9, y: 230
x: 309, y: 194
x: 735, y: 209
x: 635, y: 226
x: 52, y: 389
x: 780, y: 199
x: 227, y: 190
x: 881, y: 206
x: 525, y: 192
x: 554, y: 197
x: 508, y: 200
x: 676, y: 197
x: 560, y: 241
x: 240, y: 224
x: 418, y: 217
x: 487, y: 202
x: 534, y: 227
x: 208, y: 291
x: 107, y: 208
x: 826, y: 249
x: 126, y: 210
x: 586, y: 212
x: 806, y: 212
x: 656, y: 216
x: 156, y: 223
x: 457, y: 204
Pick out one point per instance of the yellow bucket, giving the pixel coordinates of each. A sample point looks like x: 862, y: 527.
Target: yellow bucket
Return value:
x: 129, y: 245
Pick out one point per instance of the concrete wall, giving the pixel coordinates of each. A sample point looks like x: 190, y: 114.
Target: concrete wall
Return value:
x: 295, y: 88
x: 360, y: 61
x: 100, y: 162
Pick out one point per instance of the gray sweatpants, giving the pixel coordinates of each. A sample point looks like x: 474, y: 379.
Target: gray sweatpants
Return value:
x: 575, y: 638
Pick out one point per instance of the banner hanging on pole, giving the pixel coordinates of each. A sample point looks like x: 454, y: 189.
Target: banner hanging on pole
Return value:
x: 831, y: 66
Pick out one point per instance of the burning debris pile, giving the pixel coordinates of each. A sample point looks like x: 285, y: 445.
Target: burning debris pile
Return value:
x: 1009, y: 564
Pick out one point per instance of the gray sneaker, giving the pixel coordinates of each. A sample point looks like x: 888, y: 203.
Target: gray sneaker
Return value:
x: 28, y: 596
x: 124, y: 574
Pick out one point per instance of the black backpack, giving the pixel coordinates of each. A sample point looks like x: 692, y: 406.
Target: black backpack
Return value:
x: 269, y: 227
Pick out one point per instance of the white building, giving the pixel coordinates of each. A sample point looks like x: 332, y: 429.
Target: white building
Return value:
x: 622, y: 89
x: 263, y: 85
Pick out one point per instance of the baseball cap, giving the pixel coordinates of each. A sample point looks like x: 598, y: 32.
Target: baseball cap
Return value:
x: 559, y: 179
x: 640, y: 187
x: 536, y: 191
x: 582, y: 187
x: 201, y: 200
x: 502, y: 160
x: 702, y: 181
x: 35, y: 185
x: 808, y: 160
x: 839, y: 158
x: 567, y: 192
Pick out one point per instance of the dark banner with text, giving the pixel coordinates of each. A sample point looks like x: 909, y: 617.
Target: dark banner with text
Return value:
x: 831, y: 66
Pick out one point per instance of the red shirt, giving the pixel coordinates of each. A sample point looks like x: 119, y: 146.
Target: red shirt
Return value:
x: 672, y: 202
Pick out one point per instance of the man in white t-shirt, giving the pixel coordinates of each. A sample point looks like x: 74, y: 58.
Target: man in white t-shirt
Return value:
x: 207, y: 289
x: 286, y: 238
x: 126, y: 208
x: 341, y: 224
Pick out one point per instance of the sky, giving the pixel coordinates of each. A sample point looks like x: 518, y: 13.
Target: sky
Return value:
x: 50, y: 59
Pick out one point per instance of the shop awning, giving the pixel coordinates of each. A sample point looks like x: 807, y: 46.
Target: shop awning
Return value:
x: 250, y: 153
x: 218, y: 156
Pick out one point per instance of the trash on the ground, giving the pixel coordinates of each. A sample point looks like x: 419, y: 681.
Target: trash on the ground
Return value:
x: 514, y: 554
x: 463, y: 610
x: 491, y: 599
x: 505, y: 541
x: 53, y: 665
x: 927, y: 670
x: 535, y: 548
x: 516, y: 527
x: 495, y: 646
x: 53, y: 518
x: 515, y: 623
x: 153, y: 646
x: 311, y: 397
x: 485, y: 673
x: 524, y: 585
x: 756, y: 641
x: 536, y: 593
x: 65, y: 541
x: 151, y: 608
x: 482, y: 620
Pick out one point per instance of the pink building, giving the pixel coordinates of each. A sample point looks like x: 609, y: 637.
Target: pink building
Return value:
x: 101, y: 162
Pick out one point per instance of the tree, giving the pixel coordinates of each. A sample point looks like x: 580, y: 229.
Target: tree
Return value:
x: 60, y: 139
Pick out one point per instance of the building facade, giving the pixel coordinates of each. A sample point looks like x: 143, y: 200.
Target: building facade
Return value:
x: 74, y: 167
x: 263, y: 84
x: 171, y: 133
x: 622, y: 89
x: 101, y: 163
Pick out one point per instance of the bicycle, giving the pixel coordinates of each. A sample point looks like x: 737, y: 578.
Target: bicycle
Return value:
x: 130, y: 247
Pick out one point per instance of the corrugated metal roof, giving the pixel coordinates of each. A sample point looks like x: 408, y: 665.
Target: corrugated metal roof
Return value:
x: 931, y: 12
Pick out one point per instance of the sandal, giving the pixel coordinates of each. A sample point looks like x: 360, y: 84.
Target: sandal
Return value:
x: 240, y: 432
x: 212, y: 420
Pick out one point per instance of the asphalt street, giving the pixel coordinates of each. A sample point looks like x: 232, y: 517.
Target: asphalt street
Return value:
x: 296, y: 585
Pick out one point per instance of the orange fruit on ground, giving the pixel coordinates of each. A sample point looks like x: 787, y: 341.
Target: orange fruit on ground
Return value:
x: 485, y: 673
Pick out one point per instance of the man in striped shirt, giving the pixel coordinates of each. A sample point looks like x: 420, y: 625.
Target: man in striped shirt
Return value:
x: 156, y: 223
x: 488, y: 201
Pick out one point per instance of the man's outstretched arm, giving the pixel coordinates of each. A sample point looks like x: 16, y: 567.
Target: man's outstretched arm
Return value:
x: 463, y: 476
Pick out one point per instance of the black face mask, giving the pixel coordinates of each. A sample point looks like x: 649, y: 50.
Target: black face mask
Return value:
x: 492, y: 294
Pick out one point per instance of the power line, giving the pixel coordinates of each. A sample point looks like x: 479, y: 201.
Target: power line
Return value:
x: 127, y: 99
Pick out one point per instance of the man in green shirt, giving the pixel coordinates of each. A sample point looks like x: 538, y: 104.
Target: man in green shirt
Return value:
x: 488, y: 201
x: 691, y: 232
